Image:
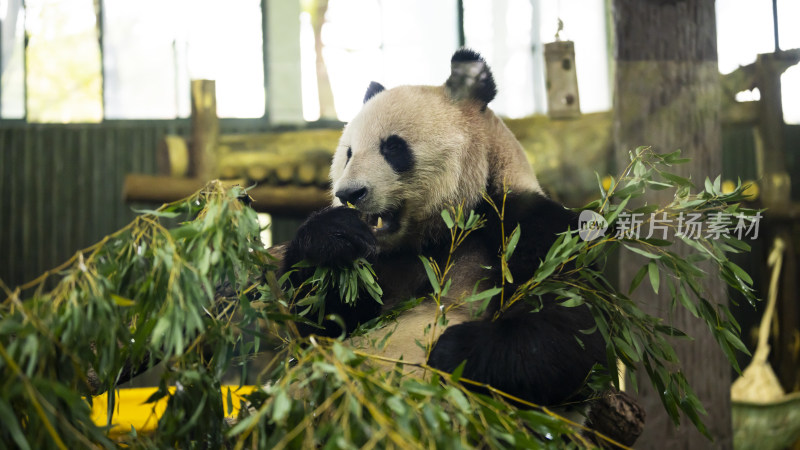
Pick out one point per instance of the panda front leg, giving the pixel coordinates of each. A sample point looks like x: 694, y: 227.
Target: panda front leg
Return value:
x: 334, y: 237
x: 540, y: 357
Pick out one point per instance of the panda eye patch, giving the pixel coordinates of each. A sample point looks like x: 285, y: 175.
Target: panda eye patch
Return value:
x: 397, y: 154
x: 349, y: 155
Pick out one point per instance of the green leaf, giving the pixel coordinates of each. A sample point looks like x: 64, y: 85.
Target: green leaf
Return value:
x: 639, y: 251
x: 437, y: 288
x: 488, y: 293
x: 709, y: 186
x: 122, y: 301
x: 741, y: 245
x: 244, y: 424
x: 512, y: 243
x: 652, y: 270
x: 671, y: 331
x: 657, y: 242
x: 457, y: 398
x: 610, y: 218
x: 735, y: 341
x: 230, y: 402
x: 157, y: 213
x: 11, y: 424
x: 397, y: 405
x: 446, y: 287
x: 637, y: 279
x: 657, y: 185
x: 739, y: 272
x: 573, y: 301
x: 448, y: 220
x: 626, y: 349
x: 456, y: 375
x: 677, y: 180
x: 281, y: 406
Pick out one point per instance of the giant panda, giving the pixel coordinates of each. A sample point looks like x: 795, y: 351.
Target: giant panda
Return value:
x: 409, y: 153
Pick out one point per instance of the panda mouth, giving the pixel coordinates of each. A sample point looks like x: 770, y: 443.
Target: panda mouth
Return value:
x: 383, y: 222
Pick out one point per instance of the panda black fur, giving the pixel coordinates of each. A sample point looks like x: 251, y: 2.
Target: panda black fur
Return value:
x: 409, y: 153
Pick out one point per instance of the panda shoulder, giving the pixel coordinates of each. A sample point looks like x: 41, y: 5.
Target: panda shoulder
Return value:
x: 534, y: 212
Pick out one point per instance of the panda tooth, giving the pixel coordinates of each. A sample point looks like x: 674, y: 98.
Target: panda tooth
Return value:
x: 379, y: 225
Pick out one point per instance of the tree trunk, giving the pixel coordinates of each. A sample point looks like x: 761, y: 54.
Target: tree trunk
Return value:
x: 667, y: 96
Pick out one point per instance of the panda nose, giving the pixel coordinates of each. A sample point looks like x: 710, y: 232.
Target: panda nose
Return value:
x: 352, y: 194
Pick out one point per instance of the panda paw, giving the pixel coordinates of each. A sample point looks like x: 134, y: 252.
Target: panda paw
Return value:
x: 530, y: 357
x: 335, y: 236
x: 456, y: 345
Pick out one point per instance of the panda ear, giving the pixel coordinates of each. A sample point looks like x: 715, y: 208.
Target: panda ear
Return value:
x: 470, y: 78
x: 373, y: 89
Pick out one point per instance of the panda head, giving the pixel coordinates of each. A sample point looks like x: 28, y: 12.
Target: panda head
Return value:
x: 413, y: 150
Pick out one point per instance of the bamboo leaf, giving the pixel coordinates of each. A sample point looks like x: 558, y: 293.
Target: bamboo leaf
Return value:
x: 122, y: 301
x: 639, y: 251
x: 448, y: 220
x: 12, y: 425
x: 512, y: 243
x: 637, y: 279
x: 431, y: 275
x: 280, y: 407
x: 652, y: 270
x: 739, y: 272
x: 456, y: 375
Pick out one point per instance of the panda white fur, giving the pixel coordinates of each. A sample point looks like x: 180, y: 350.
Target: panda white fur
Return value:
x: 409, y: 153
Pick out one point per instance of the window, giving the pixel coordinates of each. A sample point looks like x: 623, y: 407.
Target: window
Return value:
x: 511, y: 33
x: 789, y: 36
x: 150, y: 58
x: 151, y: 49
x: 64, y: 81
x: 400, y: 42
x: 391, y: 41
x: 12, y: 63
x: 745, y: 29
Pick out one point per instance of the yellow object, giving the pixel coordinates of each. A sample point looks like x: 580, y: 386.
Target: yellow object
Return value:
x: 752, y: 190
x: 764, y: 417
x: 131, y: 410
x: 728, y: 186
x: 758, y: 383
x: 607, y: 182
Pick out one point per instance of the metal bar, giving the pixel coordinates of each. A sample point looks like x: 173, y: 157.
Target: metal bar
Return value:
x: 462, y: 37
x: 6, y: 174
x: 62, y: 242
x: 100, y: 23
x: 265, y: 52
x: 24, y: 213
x: 25, y: 60
x: 775, y: 25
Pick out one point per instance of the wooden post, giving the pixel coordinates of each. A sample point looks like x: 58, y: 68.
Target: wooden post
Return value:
x: 205, y: 131
x: 776, y: 185
x: 667, y: 95
x: 563, y: 101
x: 776, y: 194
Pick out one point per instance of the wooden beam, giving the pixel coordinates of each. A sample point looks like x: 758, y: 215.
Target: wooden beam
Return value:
x: 740, y: 113
x: 284, y: 200
x: 205, y: 131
